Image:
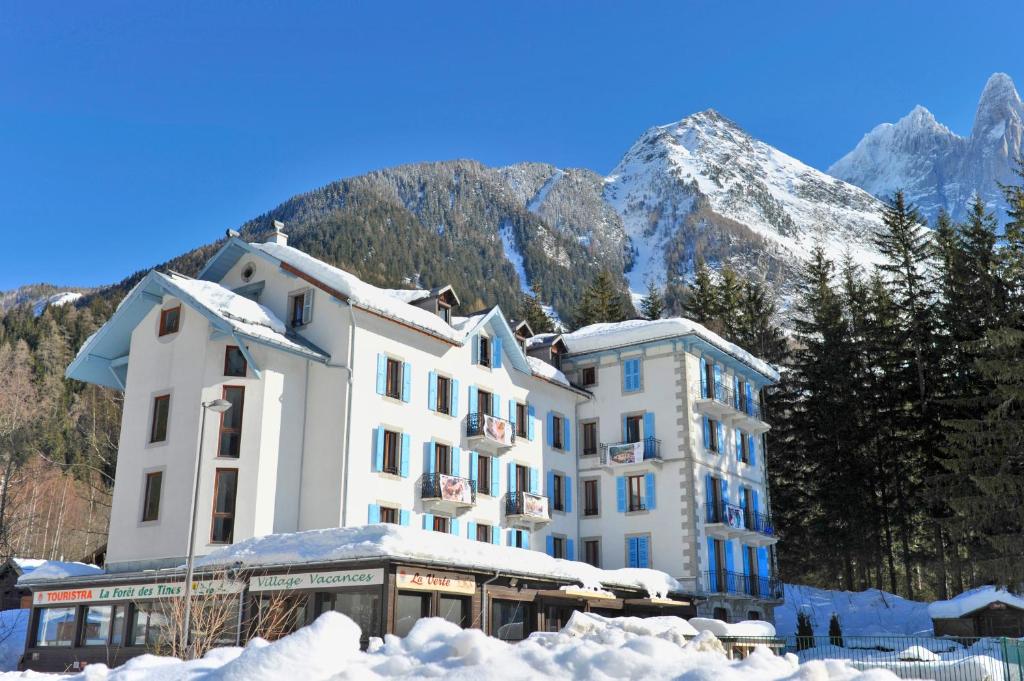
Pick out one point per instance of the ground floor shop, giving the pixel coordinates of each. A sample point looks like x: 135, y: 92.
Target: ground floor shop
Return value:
x: 111, y: 618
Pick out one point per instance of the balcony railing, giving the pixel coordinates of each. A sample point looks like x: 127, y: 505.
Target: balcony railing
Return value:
x: 723, y: 394
x: 448, y: 488
x: 739, y: 584
x: 530, y: 506
x: 739, y: 518
x: 498, y: 430
x: 624, y: 453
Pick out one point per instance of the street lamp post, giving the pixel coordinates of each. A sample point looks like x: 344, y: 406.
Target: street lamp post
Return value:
x: 218, y: 406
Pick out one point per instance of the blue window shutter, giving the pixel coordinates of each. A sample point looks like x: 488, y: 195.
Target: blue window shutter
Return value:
x: 549, y: 545
x: 736, y: 392
x: 704, y: 378
x: 512, y: 412
x: 432, y: 391
x: 709, y: 486
x: 475, y: 342
x: 378, y: 450
x: 495, y: 477
x: 568, y: 494
x: 430, y: 458
x: 496, y: 351
x: 707, y: 433
x: 551, y: 487
x: 551, y: 429
x: 763, y: 569
x: 406, y: 382
x: 717, y: 368
x: 470, y: 530
x: 456, y: 461
x: 453, y: 527
x: 728, y: 556
x: 570, y: 549
x: 746, y: 559
x: 721, y: 437
x: 753, y: 500
x: 531, y: 417
x: 496, y: 536
x: 403, y: 465
x: 534, y: 481
x: 625, y: 429
x: 643, y: 550
x: 743, y: 498
x: 511, y: 537
x: 649, y: 424
x: 725, y: 490
x: 455, y: 397
x: 567, y: 434
x: 620, y: 494
x: 428, y: 521
x: 634, y: 552
x: 474, y: 466
x: 403, y: 518
x: 373, y: 514
x: 712, y: 558
x: 526, y: 538
x: 739, y: 444
x: 512, y: 478
x: 472, y: 399
x: 750, y: 399
x: 382, y: 373
x: 753, y: 450
x: 496, y: 405
x: 649, y: 491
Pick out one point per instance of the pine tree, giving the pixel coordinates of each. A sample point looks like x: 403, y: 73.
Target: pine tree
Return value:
x: 730, y: 293
x: 702, y: 303
x: 533, y: 313
x: 757, y: 329
x: 835, y: 631
x: 602, y: 301
x: 804, y: 631
x: 653, y: 304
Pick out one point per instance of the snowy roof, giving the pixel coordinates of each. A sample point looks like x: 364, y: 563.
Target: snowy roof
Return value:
x: 542, y: 340
x: 55, y: 569
x: 971, y: 600
x: 605, y: 336
x: 545, y: 370
x: 746, y: 628
x: 412, y: 295
x: 383, y: 540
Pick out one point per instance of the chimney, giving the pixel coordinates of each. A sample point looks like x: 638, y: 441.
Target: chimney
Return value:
x: 277, y: 236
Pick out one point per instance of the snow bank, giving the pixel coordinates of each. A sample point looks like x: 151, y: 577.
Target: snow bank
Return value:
x: 611, y: 335
x: 861, y: 613
x: 590, y: 648
x: 972, y: 600
x: 746, y: 628
x: 56, y: 569
x: 370, y: 541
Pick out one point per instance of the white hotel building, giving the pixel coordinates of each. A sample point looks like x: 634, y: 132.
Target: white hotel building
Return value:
x: 625, y: 445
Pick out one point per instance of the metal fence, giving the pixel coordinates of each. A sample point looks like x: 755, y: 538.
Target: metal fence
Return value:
x: 919, y: 657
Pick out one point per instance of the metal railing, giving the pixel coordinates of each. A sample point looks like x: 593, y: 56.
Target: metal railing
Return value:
x: 448, y: 488
x: 622, y: 452
x: 527, y: 504
x: 723, y: 394
x: 740, y: 584
x: 919, y: 657
x: 739, y: 518
x: 476, y: 425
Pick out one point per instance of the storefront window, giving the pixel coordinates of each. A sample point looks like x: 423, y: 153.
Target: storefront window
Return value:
x: 151, y: 627
x: 409, y: 608
x: 455, y: 609
x: 362, y: 606
x: 508, y: 620
x: 104, y: 625
x: 56, y: 627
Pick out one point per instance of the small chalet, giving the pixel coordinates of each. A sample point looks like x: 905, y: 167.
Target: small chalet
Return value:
x: 985, y: 611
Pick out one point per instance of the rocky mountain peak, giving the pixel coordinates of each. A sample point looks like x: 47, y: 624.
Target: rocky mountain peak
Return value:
x: 999, y: 104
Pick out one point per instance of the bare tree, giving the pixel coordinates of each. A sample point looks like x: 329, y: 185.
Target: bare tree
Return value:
x: 19, y: 408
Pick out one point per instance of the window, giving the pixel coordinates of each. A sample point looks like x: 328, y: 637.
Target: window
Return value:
x: 483, y: 533
x: 151, y: 497
x: 753, y: 615
x: 558, y: 547
x: 170, y: 319
x: 520, y: 540
x: 442, y: 459
x: 56, y: 627
x: 234, y: 362
x: 558, y: 492
x: 161, y: 411
x: 556, y: 432
x: 104, y: 625
x: 749, y: 507
x: 231, y: 422
x: 409, y: 609
x: 721, y: 614
x: 592, y: 552
x: 522, y: 478
x: 444, y: 312
x: 508, y: 619
x: 485, y: 351
x: 300, y: 308
x: 635, y: 485
x: 442, y: 524
x: 483, y: 474
x: 393, y: 385
x: 225, y: 490
x: 455, y: 609
x: 631, y: 375
x: 391, y: 452
x: 588, y: 376
x: 589, y: 438
x: 709, y: 380
x: 590, y: 501
x: 444, y: 395
x: 522, y: 420
x: 744, y: 442
x: 150, y: 626
x: 633, y: 426
x: 638, y: 549
x: 362, y: 606
x: 713, y: 442
x: 485, y: 402
x: 389, y: 515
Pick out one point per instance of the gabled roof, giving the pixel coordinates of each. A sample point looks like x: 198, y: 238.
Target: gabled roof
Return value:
x: 521, y: 326
x: 543, y: 340
x: 415, y: 295
x: 103, y: 358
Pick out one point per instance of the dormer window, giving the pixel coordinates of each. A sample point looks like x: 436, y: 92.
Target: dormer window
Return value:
x: 444, y: 312
x: 485, y: 351
x: 300, y: 308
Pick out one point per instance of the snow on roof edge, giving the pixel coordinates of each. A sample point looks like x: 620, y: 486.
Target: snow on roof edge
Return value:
x: 971, y: 600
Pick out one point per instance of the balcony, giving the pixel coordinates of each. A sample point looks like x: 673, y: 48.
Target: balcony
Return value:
x: 721, y: 582
x: 631, y: 455
x: 489, y: 434
x: 447, y: 493
x: 729, y: 521
x: 725, y: 404
x: 526, y: 511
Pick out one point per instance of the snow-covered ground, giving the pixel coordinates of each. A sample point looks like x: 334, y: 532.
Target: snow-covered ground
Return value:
x: 861, y: 613
x: 590, y: 648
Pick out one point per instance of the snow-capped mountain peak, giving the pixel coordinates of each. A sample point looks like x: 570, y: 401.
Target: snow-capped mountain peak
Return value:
x: 998, y: 104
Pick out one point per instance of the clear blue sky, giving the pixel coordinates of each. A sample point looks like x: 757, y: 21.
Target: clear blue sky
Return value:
x: 132, y: 131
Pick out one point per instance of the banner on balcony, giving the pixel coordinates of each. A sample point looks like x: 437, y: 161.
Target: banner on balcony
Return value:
x: 627, y: 452
x: 534, y: 505
x: 456, y: 489
x: 498, y: 430
x: 734, y: 517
